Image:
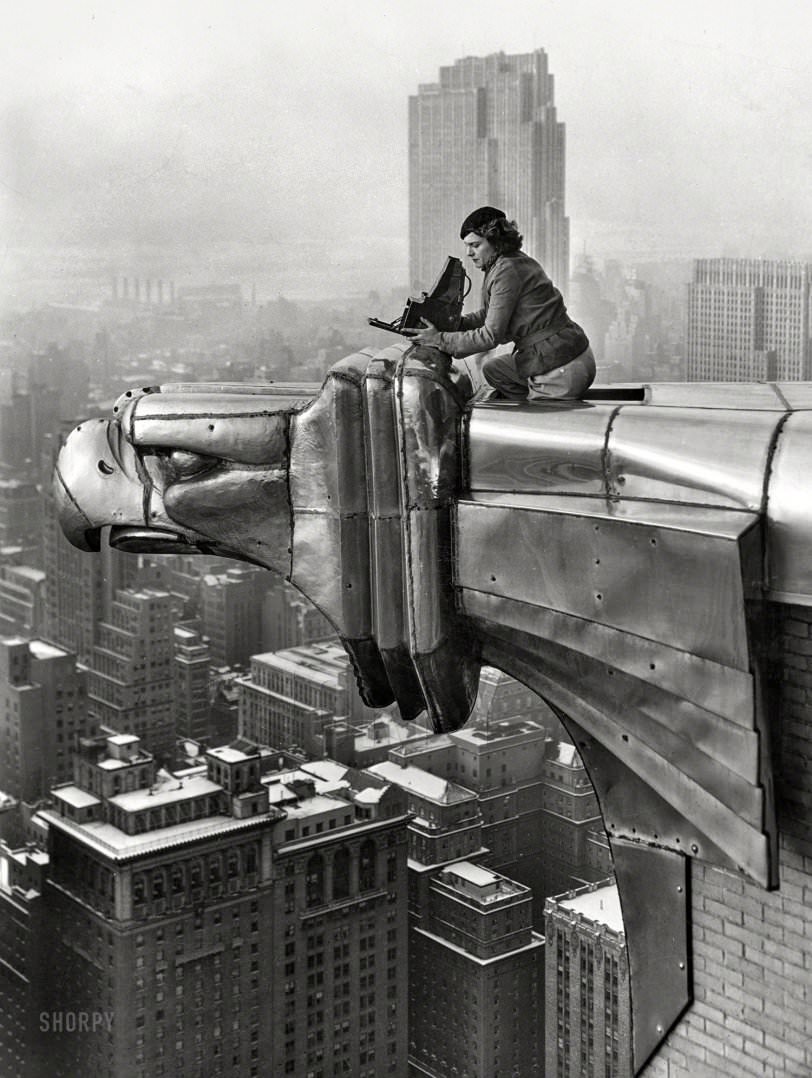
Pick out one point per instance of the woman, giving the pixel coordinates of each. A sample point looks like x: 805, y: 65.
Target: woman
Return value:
x: 551, y: 358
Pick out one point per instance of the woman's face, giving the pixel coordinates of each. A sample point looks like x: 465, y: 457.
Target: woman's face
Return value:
x: 479, y: 250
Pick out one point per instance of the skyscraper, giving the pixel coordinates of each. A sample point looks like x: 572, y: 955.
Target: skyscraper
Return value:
x: 43, y: 712
x: 588, y: 1009
x: 224, y: 922
x: 130, y: 683
x: 486, y: 133
x: 749, y: 320
x: 23, y: 958
x: 190, y: 677
x: 79, y: 588
x: 290, y: 696
x: 476, y: 991
x: 231, y: 612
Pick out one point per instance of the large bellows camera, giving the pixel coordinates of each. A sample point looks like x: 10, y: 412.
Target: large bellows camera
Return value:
x: 441, y: 305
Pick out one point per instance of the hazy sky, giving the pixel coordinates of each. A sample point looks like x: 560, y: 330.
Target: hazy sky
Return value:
x: 689, y: 124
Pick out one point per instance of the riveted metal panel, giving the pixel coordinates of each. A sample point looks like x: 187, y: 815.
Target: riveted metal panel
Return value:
x: 559, y: 450
x: 98, y: 480
x: 331, y: 555
x: 295, y: 393
x: 388, y: 562
x: 429, y: 416
x: 427, y: 579
x: 637, y: 726
x: 251, y: 430
x: 383, y: 489
x: 246, y: 513
x: 717, y: 689
x: 428, y: 413
x: 327, y: 467
x: 627, y: 682
x: 650, y: 580
x: 331, y: 567
x: 653, y: 889
x: 643, y: 795
x: 691, y: 456
x: 789, y: 514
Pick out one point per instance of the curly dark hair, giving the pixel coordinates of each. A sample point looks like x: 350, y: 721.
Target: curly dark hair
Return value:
x: 502, y: 235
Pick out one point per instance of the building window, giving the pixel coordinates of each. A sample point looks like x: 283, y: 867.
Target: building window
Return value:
x: 314, y: 881
x: 341, y: 873
x: 367, y: 866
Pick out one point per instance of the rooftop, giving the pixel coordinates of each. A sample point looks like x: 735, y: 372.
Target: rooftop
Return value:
x: 169, y: 788
x: 122, y: 739
x: 600, y: 905
x: 314, y: 806
x: 420, y: 782
x: 312, y: 668
x: 326, y: 770
x: 567, y: 755
x: 230, y: 754
x: 75, y: 796
x: 481, y: 884
x: 113, y: 843
x: 27, y: 572
x: 42, y: 650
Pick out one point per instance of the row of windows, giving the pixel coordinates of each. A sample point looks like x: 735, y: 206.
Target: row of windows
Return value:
x: 193, y: 874
x: 315, y: 870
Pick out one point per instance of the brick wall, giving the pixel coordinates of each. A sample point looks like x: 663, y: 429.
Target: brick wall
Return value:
x: 752, y: 949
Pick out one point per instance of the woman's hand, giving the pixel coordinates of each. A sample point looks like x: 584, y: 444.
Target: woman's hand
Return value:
x: 427, y: 334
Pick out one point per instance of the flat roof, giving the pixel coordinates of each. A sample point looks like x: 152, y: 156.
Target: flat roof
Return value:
x: 287, y: 778
x: 328, y: 770
x: 37, y: 575
x: 230, y: 755
x: 601, y: 906
x: 75, y: 796
x: 172, y: 789
x: 475, y: 874
x: 567, y: 755
x: 118, y: 845
x: 421, y: 783
x: 39, y: 649
x: 314, y: 806
x: 370, y: 795
x: 312, y: 669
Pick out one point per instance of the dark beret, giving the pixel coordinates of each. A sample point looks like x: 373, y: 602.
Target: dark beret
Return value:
x: 476, y: 220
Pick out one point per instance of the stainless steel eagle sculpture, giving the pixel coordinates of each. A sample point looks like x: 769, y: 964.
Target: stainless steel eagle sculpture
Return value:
x: 619, y: 555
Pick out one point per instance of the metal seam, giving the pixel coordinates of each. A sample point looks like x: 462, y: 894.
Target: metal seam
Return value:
x: 609, y: 494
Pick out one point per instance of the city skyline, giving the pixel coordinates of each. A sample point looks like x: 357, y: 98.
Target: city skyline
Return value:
x: 218, y: 135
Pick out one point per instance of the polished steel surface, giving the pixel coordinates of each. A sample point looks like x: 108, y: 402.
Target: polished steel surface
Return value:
x: 564, y: 453
x: 789, y: 514
x: 643, y: 796
x: 619, y: 556
x: 645, y: 578
x: 428, y: 414
x: 653, y: 889
x: 691, y: 456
